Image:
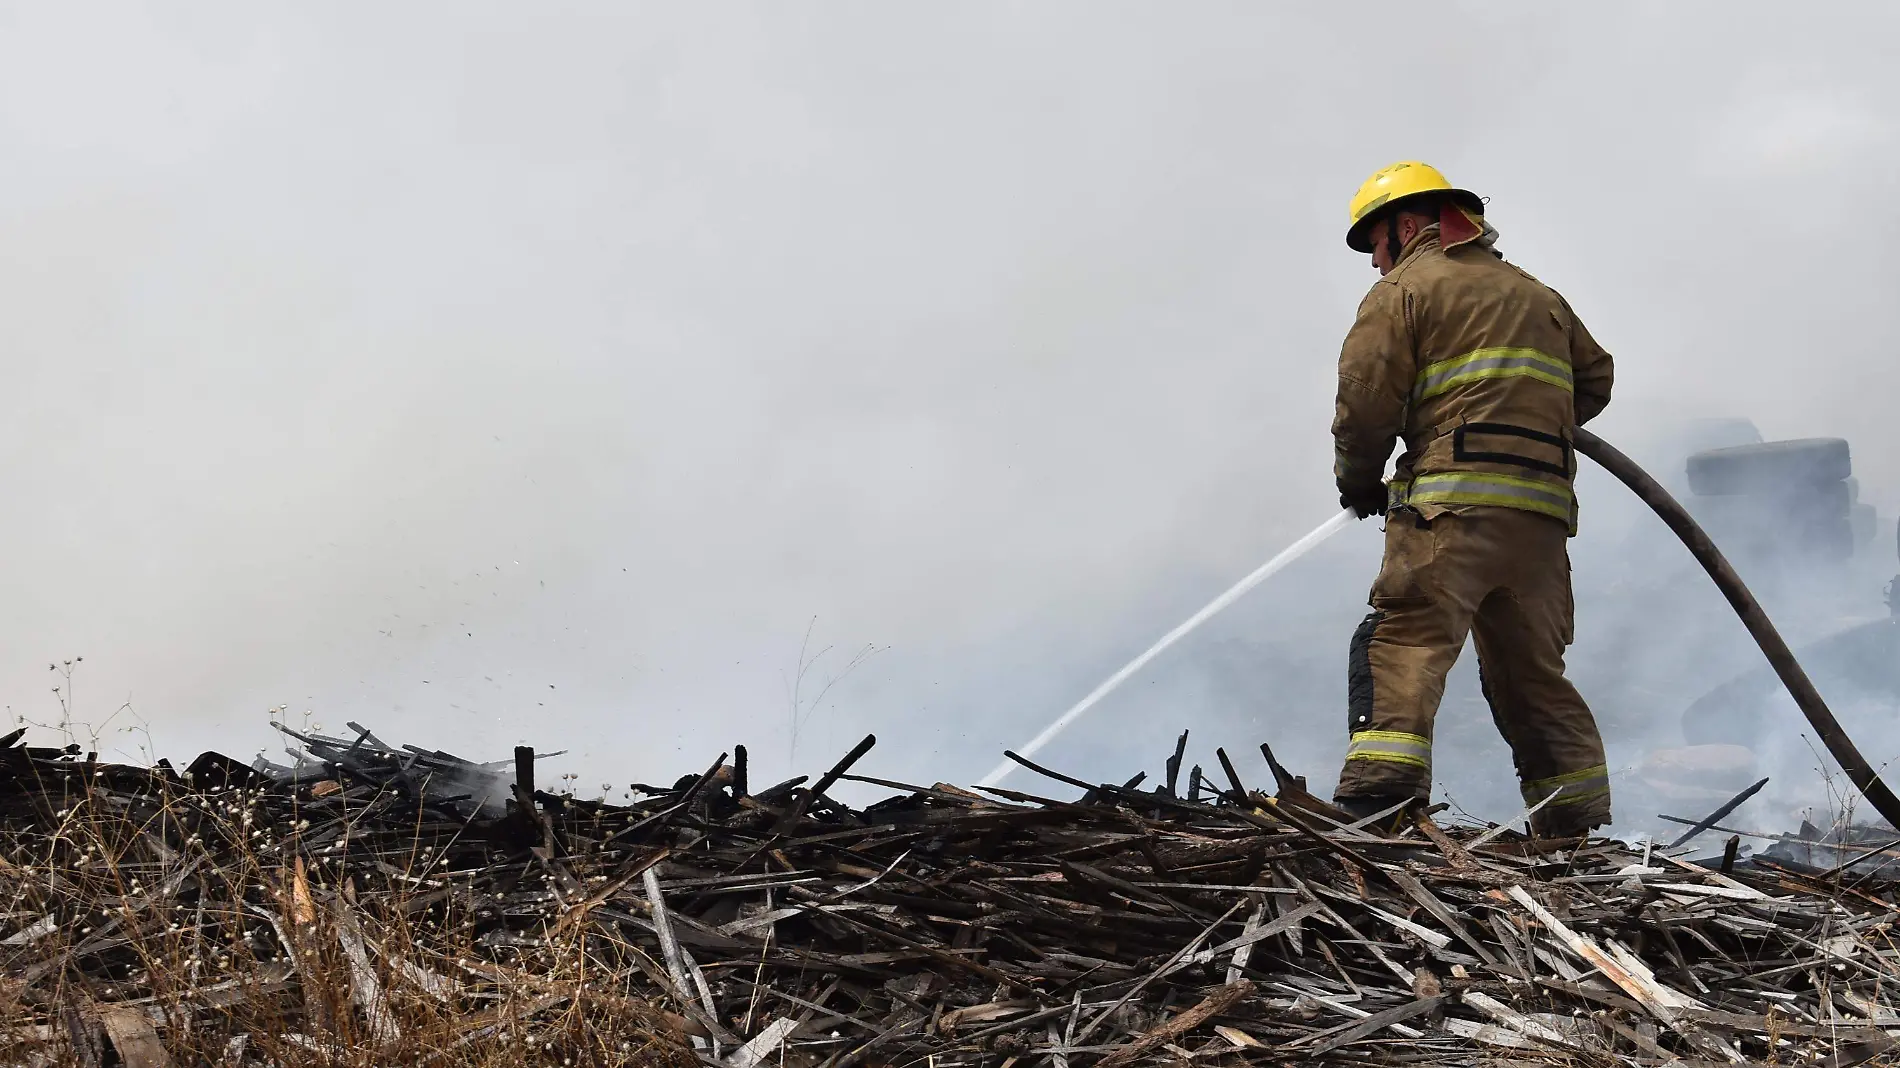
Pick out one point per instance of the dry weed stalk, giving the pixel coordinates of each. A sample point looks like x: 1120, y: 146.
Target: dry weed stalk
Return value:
x: 169, y: 924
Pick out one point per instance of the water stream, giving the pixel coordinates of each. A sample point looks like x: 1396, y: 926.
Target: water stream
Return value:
x: 1234, y: 593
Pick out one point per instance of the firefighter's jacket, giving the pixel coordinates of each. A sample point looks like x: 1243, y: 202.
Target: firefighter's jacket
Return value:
x: 1481, y: 369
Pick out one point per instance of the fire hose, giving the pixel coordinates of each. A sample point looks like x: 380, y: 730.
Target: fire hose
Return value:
x: 1760, y: 627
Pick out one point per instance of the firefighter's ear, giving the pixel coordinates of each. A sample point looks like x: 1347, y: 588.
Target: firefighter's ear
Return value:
x: 1456, y: 226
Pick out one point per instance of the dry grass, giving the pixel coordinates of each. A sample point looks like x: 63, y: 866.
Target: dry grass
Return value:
x: 147, y: 922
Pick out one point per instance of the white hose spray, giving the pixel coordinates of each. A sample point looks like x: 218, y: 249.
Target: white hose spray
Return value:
x: 1236, y: 592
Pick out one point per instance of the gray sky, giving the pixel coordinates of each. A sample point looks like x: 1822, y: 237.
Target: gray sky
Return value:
x: 493, y: 373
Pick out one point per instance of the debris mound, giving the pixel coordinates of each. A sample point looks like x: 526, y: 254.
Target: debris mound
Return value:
x: 373, y: 905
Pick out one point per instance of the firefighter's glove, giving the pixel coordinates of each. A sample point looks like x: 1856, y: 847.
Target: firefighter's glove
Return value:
x: 1364, y: 498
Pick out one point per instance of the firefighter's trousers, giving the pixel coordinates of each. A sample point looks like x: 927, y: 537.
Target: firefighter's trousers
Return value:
x: 1503, y: 576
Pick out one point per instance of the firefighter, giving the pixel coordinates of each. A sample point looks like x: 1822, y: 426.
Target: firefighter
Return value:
x: 1481, y: 370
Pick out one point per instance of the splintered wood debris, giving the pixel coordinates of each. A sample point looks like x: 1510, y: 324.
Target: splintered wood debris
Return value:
x: 380, y: 905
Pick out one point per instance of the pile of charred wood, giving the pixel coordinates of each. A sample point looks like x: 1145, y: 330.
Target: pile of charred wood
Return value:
x: 377, y: 905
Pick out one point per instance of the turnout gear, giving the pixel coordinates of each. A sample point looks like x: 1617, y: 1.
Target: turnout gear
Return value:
x: 1482, y: 371
x: 1390, y: 185
x: 1501, y: 575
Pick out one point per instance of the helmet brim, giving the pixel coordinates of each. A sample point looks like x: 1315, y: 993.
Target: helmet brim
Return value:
x: 1359, y: 236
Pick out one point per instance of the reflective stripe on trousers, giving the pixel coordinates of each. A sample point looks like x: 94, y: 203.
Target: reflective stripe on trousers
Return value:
x: 1393, y: 747
x: 1474, y: 487
x: 1571, y: 788
x: 1438, y: 377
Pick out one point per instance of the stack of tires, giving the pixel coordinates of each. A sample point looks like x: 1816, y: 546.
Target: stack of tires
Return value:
x: 1782, y: 498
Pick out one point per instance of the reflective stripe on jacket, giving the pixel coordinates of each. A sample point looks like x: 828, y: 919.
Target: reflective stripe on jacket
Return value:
x: 1481, y: 370
x: 1472, y: 487
x: 1491, y: 363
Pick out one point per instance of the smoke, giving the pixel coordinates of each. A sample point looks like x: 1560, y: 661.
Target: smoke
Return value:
x: 490, y: 379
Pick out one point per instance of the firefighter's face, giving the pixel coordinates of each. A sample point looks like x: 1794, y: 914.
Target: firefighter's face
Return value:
x: 1381, y: 251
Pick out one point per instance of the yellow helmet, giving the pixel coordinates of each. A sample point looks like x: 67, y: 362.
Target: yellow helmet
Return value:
x: 1388, y: 185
